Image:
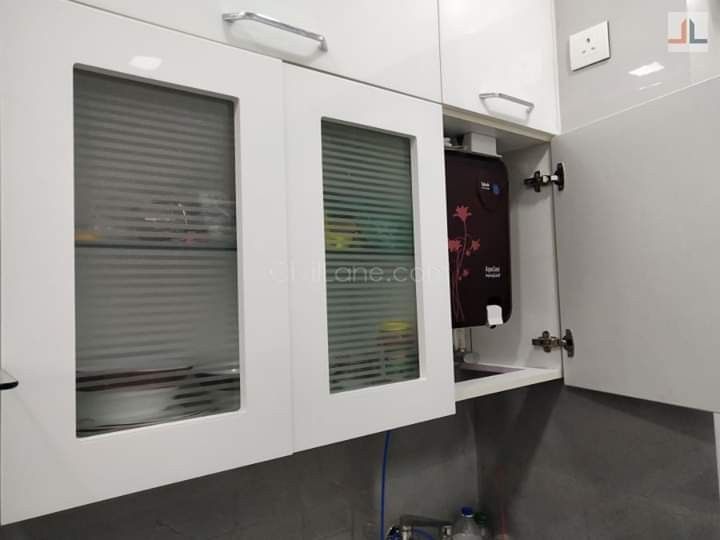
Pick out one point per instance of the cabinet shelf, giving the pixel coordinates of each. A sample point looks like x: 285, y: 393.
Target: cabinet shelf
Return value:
x: 499, y: 378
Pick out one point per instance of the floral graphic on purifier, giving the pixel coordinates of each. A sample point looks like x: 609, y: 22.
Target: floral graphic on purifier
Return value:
x: 460, y: 247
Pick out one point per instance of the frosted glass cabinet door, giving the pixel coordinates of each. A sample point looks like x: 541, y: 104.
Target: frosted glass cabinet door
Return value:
x: 144, y: 305
x: 370, y: 315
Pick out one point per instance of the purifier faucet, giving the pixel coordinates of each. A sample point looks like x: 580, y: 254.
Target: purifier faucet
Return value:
x: 408, y: 523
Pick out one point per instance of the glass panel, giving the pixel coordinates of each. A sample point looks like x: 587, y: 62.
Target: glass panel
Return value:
x: 369, y: 257
x: 155, y: 254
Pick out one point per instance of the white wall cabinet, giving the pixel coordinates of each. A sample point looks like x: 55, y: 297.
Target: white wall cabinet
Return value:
x: 143, y: 221
x: 371, y: 343
x: 145, y: 272
x: 389, y: 44
x: 210, y: 258
x: 635, y: 233
x: 505, y: 355
x: 505, y: 48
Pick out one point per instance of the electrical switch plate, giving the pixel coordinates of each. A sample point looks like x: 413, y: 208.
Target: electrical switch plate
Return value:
x: 590, y: 46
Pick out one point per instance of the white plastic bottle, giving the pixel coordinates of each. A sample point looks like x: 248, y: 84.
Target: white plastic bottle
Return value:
x: 465, y: 527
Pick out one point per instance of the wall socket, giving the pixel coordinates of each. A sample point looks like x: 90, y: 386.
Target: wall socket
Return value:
x: 590, y: 46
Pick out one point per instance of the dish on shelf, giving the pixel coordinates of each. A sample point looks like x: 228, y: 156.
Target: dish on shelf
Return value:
x: 112, y: 400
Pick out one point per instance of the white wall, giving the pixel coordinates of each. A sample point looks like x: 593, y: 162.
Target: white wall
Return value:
x: 638, y: 36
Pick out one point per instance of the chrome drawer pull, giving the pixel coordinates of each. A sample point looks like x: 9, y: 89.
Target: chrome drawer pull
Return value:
x: 507, y: 97
x: 263, y: 19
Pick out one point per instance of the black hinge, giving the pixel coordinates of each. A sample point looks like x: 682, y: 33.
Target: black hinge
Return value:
x: 7, y: 381
x: 539, y: 180
x: 548, y: 342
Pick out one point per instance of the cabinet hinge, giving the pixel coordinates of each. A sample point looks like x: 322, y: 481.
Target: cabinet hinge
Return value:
x: 7, y: 381
x: 538, y: 181
x: 548, y: 342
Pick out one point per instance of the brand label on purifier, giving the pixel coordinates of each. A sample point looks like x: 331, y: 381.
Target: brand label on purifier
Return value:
x: 493, y: 272
x: 488, y: 186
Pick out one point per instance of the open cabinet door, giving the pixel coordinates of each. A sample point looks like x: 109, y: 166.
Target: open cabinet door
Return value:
x: 637, y: 232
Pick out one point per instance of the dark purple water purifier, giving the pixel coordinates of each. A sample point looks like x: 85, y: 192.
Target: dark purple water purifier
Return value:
x: 478, y: 239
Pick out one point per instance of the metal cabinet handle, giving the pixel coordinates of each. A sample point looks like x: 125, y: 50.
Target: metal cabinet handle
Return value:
x: 7, y: 381
x: 263, y: 19
x: 507, y: 97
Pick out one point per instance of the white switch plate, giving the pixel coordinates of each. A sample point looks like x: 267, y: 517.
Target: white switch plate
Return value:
x: 590, y: 46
